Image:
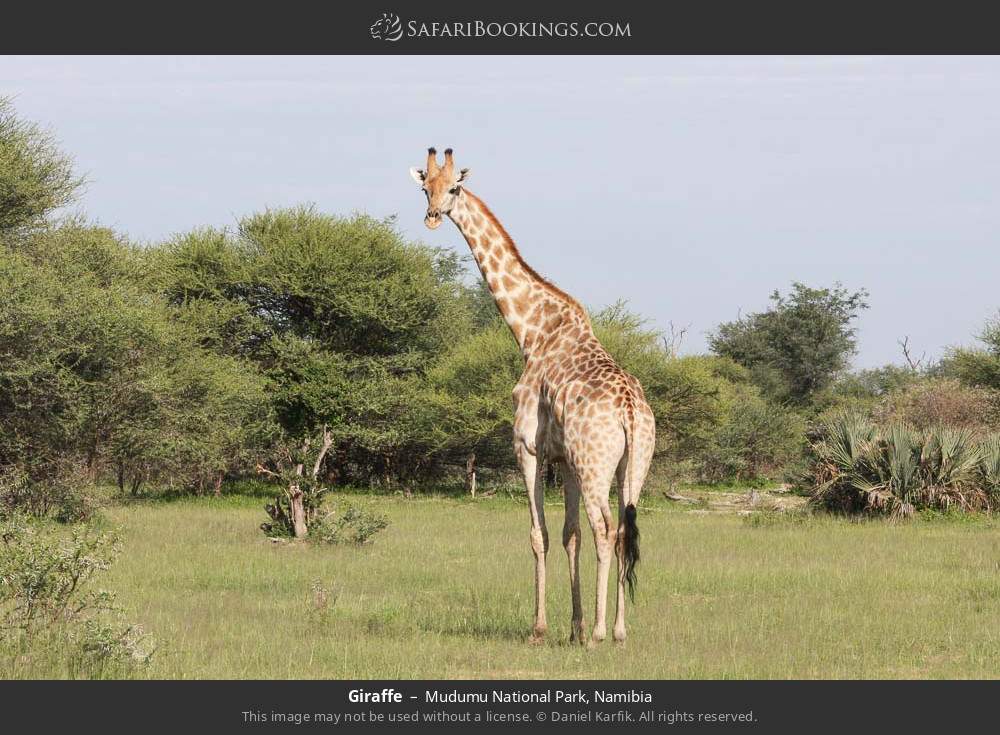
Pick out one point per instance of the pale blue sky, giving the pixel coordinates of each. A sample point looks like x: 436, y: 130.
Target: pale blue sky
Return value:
x: 690, y: 186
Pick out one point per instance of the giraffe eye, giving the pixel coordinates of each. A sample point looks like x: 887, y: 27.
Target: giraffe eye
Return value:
x: 454, y: 190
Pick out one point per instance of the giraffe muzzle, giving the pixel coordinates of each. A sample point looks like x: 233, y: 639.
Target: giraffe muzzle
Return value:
x: 433, y: 221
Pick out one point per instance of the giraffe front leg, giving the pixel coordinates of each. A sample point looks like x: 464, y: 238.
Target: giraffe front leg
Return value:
x: 539, y: 536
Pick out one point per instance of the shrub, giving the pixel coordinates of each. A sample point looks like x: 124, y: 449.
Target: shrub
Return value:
x: 47, y: 598
x: 302, y: 498
x: 282, y: 524
x: 757, y: 440
x: 941, y: 402
x: 989, y: 468
x: 860, y: 466
x: 977, y: 366
x: 353, y: 525
x: 64, y: 497
x: 863, y: 390
x: 465, y: 403
x: 321, y: 600
x: 297, y: 473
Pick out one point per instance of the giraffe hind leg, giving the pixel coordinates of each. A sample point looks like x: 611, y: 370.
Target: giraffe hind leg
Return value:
x: 619, y: 629
x: 595, y: 492
x: 571, y: 542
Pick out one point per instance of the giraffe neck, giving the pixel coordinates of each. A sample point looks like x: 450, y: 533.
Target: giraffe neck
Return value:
x: 532, y: 307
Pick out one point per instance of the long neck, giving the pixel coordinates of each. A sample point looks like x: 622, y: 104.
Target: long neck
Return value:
x: 531, y: 306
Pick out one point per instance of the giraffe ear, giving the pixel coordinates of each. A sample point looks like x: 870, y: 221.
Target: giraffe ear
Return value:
x: 463, y: 175
x: 418, y: 175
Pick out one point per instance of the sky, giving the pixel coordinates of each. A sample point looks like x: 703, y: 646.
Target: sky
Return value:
x: 691, y: 187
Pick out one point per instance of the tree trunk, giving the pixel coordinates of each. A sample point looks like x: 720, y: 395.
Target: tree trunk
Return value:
x: 470, y: 474
x: 324, y: 448
x: 296, y: 501
x: 218, y: 484
x: 92, y: 455
x: 296, y: 506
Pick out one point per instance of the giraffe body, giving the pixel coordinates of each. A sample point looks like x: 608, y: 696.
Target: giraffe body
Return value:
x: 573, y: 405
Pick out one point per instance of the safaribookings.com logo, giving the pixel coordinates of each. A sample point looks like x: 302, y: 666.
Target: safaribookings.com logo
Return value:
x: 387, y: 28
x: 390, y: 28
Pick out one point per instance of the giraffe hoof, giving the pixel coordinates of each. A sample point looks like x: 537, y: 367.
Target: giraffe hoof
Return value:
x: 578, y: 635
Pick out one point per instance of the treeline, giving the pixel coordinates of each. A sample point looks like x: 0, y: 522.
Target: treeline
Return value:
x: 228, y: 353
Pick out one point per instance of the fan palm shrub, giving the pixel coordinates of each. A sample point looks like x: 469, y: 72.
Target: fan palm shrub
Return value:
x: 949, y: 465
x: 894, y: 469
x: 989, y: 470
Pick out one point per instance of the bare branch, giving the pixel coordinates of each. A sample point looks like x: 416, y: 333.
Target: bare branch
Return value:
x: 324, y: 448
x: 262, y: 470
x: 915, y: 365
x: 672, y: 342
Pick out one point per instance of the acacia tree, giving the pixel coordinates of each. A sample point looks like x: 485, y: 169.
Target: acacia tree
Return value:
x: 342, y: 317
x: 97, y: 373
x: 796, y: 348
x: 36, y: 178
x: 979, y: 367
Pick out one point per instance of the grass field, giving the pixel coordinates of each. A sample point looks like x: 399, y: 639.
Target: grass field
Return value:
x: 446, y: 592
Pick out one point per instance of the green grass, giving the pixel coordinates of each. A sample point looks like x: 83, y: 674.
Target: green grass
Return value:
x: 446, y: 592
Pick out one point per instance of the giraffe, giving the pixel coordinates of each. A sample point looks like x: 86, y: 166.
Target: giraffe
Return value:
x: 572, y: 405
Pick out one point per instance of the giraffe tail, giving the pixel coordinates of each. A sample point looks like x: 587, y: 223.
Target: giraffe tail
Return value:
x: 630, y: 541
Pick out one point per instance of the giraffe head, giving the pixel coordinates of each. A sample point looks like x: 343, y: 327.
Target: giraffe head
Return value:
x: 441, y: 184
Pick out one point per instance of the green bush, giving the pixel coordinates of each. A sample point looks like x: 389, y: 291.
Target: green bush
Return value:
x: 352, y: 525
x: 756, y: 440
x: 895, y: 469
x: 464, y: 405
x: 65, y: 497
x: 989, y: 468
x: 977, y: 366
x: 935, y: 401
x: 48, y: 604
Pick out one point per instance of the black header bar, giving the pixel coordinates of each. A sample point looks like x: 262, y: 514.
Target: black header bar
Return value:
x: 512, y: 27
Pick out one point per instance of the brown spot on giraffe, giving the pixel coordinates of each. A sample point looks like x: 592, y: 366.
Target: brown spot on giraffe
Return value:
x: 522, y: 302
x: 573, y: 404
